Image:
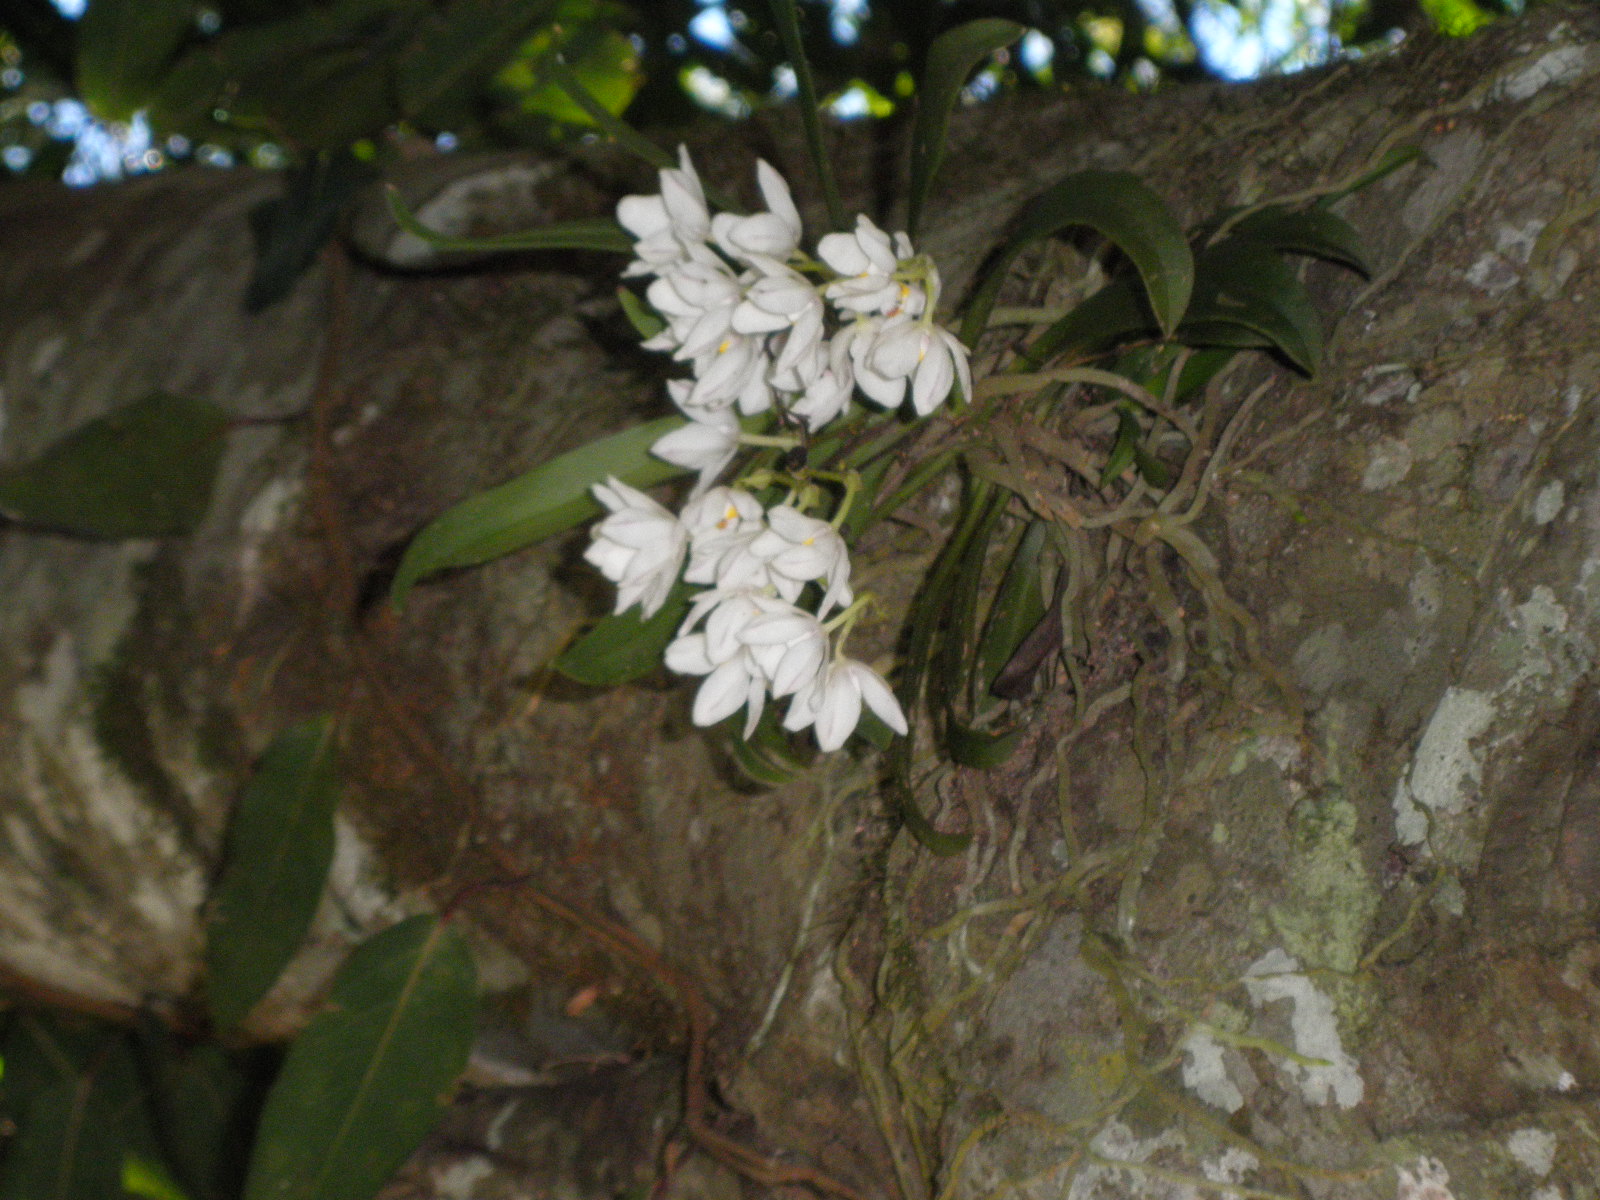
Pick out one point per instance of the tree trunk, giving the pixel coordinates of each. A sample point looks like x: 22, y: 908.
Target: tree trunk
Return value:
x: 1291, y: 887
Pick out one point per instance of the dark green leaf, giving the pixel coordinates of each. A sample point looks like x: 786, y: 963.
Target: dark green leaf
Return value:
x: 786, y: 16
x: 275, y: 862
x: 1396, y: 158
x: 144, y: 470
x: 1114, y: 314
x: 1313, y: 231
x: 205, y: 1101
x: 1018, y: 606
x: 979, y: 749
x: 767, y: 756
x: 592, y: 233
x: 625, y: 646
x: 1246, y: 295
x: 291, y: 228
x: 1122, y: 449
x: 1116, y: 205
x: 438, y: 81
x: 371, y: 1075
x: 73, y: 1094
x: 952, y: 57
x: 542, y: 502
x: 123, y: 48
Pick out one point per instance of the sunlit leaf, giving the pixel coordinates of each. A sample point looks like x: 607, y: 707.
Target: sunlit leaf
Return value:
x: 371, y: 1075
x: 600, y: 62
x: 535, y: 505
x: 1313, y: 231
x: 1247, y: 296
x: 275, y: 862
x: 123, y: 48
x: 952, y: 57
x: 144, y: 470
x: 1119, y: 207
x: 148, y: 1179
x: 591, y: 233
x: 625, y: 645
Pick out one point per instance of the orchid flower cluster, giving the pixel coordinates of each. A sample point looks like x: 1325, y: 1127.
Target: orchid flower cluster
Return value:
x: 763, y: 325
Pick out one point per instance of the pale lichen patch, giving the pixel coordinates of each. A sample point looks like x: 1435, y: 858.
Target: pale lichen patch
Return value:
x: 1447, y: 766
x: 1324, y: 1070
x: 1535, y: 1149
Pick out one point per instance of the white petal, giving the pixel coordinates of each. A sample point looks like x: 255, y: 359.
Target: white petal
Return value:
x: 687, y: 655
x: 840, y: 710
x: 880, y: 699
x: 724, y: 692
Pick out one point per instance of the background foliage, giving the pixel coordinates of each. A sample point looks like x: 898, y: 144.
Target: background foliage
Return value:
x: 133, y: 85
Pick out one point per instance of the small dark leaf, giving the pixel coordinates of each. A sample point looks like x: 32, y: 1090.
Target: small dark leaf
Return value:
x: 1017, y: 608
x: 274, y: 866
x: 1247, y: 296
x: 291, y: 229
x: 371, y: 1075
x: 979, y: 749
x: 145, y: 470
x: 625, y: 645
x: 952, y: 57
x: 1122, y: 449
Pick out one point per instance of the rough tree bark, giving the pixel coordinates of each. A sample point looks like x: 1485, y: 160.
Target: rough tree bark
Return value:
x: 1379, y: 762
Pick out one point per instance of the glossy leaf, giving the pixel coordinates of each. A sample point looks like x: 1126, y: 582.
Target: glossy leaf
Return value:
x: 591, y: 233
x: 1312, y: 231
x: 371, y: 1075
x: 1247, y: 296
x: 124, y: 46
x: 1119, y: 207
x: 144, y: 470
x: 275, y: 863
x: 952, y: 57
x: 535, y: 505
x: 624, y: 646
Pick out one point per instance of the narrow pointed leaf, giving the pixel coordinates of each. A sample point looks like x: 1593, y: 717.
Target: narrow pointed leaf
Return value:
x: 1017, y: 608
x: 786, y: 16
x: 1119, y: 207
x: 952, y: 57
x: 1122, y: 449
x: 591, y: 233
x: 370, y: 1076
x: 1246, y: 295
x: 535, y: 505
x: 646, y: 321
x: 624, y: 646
x: 144, y: 470
x: 1313, y: 231
x: 275, y: 863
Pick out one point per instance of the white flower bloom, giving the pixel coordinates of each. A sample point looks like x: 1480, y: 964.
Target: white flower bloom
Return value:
x: 732, y: 371
x: 639, y: 547
x: 698, y: 300
x: 720, y: 524
x: 867, y: 259
x: 832, y: 702
x: 775, y: 233
x: 782, y: 299
x: 930, y: 357
x: 796, y: 549
x: 670, y: 226
x: 821, y: 384
x: 791, y: 645
x: 729, y: 685
x: 862, y: 340
x: 706, y: 444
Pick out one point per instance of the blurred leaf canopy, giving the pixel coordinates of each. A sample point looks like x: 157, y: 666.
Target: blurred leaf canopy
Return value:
x: 279, y: 81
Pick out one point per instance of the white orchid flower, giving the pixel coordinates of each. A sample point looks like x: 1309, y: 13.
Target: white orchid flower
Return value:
x: 730, y: 685
x: 698, y: 300
x: 867, y: 260
x: 668, y: 227
x: 720, y: 524
x: 796, y: 549
x: 820, y: 384
x: 782, y: 299
x: 790, y: 644
x: 929, y: 357
x: 639, y: 547
x: 732, y: 371
x: 832, y: 702
x: 775, y: 233
x: 706, y: 444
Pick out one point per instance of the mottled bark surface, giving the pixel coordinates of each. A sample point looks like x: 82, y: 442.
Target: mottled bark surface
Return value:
x: 1293, y: 887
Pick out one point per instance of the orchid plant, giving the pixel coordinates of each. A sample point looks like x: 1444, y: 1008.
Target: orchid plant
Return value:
x: 813, y: 401
x: 751, y: 314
